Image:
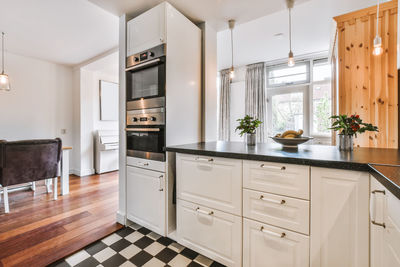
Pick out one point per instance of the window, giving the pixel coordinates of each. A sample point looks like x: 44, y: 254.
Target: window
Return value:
x: 300, y: 99
x: 282, y: 75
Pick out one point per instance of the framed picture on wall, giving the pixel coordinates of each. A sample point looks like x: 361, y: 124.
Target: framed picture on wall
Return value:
x: 108, y: 101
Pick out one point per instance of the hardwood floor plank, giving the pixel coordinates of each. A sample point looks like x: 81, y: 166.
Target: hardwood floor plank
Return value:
x: 39, y: 230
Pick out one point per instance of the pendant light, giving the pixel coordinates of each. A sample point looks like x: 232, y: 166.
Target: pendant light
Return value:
x: 290, y: 4
x: 231, y: 70
x: 4, y: 81
x: 378, y: 50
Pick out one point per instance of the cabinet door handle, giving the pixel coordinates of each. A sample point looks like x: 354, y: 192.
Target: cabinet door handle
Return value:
x: 204, y: 212
x: 160, y: 180
x: 282, y: 235
x: 372, y: 208
x: 273, y: 200
x: 143, y: 164
x: 204, y: 159
x: 272, y: 167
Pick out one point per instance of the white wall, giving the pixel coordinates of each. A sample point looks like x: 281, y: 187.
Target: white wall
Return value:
x: 87, y: 102
x: 254, y: 41
x: 40, y: 102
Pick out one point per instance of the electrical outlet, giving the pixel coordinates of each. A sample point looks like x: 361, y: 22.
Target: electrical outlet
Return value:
x: 63, y: 131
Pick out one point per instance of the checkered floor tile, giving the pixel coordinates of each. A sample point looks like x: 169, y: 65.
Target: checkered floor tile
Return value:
x: 136, y: 246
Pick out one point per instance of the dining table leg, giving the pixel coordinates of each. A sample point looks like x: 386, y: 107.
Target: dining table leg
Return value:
x: 65, y: 172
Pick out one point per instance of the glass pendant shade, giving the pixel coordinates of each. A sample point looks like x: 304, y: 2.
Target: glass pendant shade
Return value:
x: 378, y: 50
x: 291, y: 59
x: 4, y: 82
x: 232, y: 73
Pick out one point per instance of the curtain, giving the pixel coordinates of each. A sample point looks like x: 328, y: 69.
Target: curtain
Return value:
x: 224, y: 130
x: 255, y: 102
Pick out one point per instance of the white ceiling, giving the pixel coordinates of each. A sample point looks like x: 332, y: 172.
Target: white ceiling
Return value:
x: 255, y: 41
x: 216, y: 12
x: 61, y: 31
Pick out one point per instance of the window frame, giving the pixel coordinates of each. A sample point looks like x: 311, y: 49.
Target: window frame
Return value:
x: 306, y: 88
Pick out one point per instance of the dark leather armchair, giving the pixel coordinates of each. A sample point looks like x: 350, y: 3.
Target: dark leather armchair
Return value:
x: 28, y: 161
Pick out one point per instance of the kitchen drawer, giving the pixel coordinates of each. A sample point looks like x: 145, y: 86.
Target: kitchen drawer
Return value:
x: 213, y: 233
x: 146, y: 164
x: 268, y: 246
x: 277, y: 178
x: 210, y: 181
x: 285, y: 212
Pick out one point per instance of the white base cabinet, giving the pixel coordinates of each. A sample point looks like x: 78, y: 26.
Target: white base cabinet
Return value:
x: 292, y: 216
x: 339, y: 218
x: 211, y: 232
x: 146, y: 198
x: 268, y: 246
x: 210, y: 181
x: 385, y: 226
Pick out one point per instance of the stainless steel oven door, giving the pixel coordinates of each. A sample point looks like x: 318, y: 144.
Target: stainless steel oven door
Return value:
x: 146, y: 142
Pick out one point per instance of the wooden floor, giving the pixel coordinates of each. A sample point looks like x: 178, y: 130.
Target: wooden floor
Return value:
x: 39, y: 230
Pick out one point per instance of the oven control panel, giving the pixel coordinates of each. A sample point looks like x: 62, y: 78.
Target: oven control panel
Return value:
x: 154, y: 116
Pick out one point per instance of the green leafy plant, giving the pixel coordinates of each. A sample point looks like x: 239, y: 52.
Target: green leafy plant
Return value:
x: 351, y: 125
x: 248, y: 125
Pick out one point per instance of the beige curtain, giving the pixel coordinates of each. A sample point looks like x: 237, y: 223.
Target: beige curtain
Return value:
x: 255, y: 102
x: 224, y: 132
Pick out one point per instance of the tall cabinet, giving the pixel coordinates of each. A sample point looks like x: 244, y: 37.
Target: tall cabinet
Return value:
x: 150, y: 183
x: 368, y: 83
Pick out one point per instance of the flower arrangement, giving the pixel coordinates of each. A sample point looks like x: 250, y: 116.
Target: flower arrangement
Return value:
x: 351, y: 125
x: 248, y: 125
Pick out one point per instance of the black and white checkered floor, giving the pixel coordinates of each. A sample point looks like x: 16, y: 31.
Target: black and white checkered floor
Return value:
x: 135, y: 246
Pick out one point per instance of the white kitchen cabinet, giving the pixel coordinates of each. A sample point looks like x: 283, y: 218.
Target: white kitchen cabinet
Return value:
x: 146, y: 30
x: 146, y: 198
x: 385, y: 226
x: 339, y: 218
x: 210, y: 181
x: 268, y: 246
x: 285, y: 212
x: 277, y: 178
x: 213, y: 233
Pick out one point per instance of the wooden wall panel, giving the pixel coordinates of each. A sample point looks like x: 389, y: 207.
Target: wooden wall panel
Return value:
x: 368, y: 83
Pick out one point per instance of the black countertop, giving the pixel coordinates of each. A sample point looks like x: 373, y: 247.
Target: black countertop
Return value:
x: 361, y: 159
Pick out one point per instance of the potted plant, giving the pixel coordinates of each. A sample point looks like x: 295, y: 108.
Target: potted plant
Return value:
x: 248, y: 126
x: 349, y: 127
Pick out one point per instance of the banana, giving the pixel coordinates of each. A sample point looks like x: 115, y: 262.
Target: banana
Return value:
x: 291, y: 134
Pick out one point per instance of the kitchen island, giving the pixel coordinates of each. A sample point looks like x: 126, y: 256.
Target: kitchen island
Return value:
x: 269, y: 206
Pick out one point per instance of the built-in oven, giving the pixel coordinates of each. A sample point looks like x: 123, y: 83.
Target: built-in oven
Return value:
x: 145, y: 129
x: 145, y: 74
x: 146, y: 142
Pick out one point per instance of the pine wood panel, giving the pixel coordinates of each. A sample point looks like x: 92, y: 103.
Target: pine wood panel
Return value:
x: 40, y: 230
x: 368, y: 83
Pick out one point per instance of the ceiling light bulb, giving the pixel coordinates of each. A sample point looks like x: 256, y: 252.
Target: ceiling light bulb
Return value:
x: 4, y: 82
x: 291, y: 59
x: 232, y: 73
x: 378, y: 50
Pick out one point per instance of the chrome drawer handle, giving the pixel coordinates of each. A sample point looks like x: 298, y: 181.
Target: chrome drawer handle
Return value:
x: 378, y: 191
x: 272, y: 167
x: 273, y: 200
x: 282, y: 235
x: 143, y: 164
x: 379, y: 224
x: 204, y: 159
x: 161, y: 187
x: 204, y: 212
x: 371, y: 208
